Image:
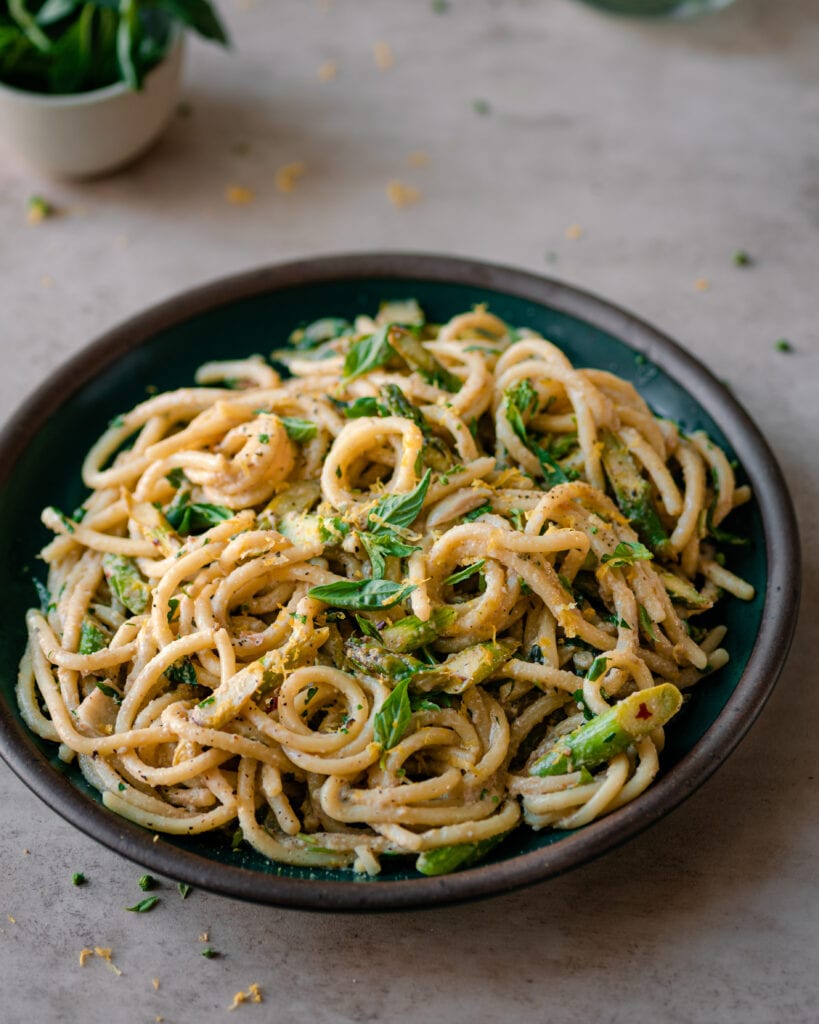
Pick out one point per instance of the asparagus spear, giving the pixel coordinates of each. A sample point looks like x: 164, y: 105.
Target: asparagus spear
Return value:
x: 449, y: 858
x: 421, y: 359
x: 632, y: 492
x: 125, y: 581
x: 468, y: 667
x: 460, y: 671
x: 612, y: 732
x: 398, y: 404
x: 681, y: 589
x: 410, y: 633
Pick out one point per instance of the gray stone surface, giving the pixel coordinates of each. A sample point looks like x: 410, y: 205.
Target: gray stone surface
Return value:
x: 672, y: 146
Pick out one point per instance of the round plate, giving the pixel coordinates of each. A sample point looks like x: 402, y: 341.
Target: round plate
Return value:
x: 41, y: 451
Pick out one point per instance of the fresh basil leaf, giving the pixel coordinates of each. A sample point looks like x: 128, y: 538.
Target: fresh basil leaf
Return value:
x: 379, y: 545
x: 298, y: 429
x: 198, y: 15
x: 391, y: 721
x: 434, y: 701
x: 368, y: 354
x: 464, y: 574
x: 366, y: 406
x: 319, y: 331
x: 55, y: 10
x: 363, y: 595
x: 476, y: 513
x: 627, y: 553
x: 91, y: 638
x: 109, y: 691
x: 400, y: 509
x: 646, y: 623
x: 144, y: 905
x: 587, y: 711
x: 176, y: 477
x: 182, y: 671
x: 521, y: 400
x: 187, y: 518
x: 367, y: 628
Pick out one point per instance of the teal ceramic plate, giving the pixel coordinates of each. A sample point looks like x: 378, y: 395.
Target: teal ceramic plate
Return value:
x: 42, y: 447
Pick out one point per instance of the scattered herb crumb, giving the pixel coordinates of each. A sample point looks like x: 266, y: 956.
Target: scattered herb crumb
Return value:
x: 289, y: 174
x: 39, y: 209
x: 147, y: 882
x: 440, y: 6
x: 144, y: 905
x: 184, y: 890
x: 482, y: 107
x: 78, y: 878
x: 401, y: 194
x: 742, y: 258
x: 783, y: 345
x: 551, y: 257
x: 209, y: 953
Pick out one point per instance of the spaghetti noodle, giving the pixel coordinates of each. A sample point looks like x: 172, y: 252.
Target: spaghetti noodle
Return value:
x: 434, y: 582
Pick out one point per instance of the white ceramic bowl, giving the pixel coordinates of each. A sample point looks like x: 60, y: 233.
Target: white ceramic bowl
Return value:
x: 87, y: 134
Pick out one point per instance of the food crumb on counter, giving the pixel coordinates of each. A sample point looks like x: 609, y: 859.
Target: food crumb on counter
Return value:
x: 237, y: 195
x: 384, y: 57
x: 253, y: 995
x: 401, y: 194
x: 289, y: 174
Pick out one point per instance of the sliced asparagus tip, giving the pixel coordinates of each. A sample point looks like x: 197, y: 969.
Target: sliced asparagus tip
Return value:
x: 419, y: 358
x: 449, y: 858
x: 410, y: 633
x: 612, y: 732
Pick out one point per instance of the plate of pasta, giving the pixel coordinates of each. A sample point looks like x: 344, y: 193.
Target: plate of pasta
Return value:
x: 384, y: 580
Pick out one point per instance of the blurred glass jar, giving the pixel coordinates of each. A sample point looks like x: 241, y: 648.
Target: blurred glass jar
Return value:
x: 658, y: 8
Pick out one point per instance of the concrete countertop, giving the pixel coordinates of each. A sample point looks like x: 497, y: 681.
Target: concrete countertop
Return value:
x: 670, y: 146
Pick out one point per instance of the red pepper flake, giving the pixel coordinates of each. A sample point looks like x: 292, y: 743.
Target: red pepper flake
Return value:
x: 643, y: 712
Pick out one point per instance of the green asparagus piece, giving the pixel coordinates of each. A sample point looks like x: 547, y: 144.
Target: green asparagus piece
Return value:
x: 469, y: 667
x: 421, y: 359
x: 612, y: 732
x: 460, y: 671
x: 92, y: 637
x: 397, y: 403
x: 127, y: 584
x: 449, y: 858
x: 633, y: 492
x: 410, y: 633
x: 681, y: 589
x: 374, y: 659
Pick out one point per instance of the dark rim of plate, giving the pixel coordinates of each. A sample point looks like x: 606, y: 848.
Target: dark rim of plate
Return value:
x: 744, y: 705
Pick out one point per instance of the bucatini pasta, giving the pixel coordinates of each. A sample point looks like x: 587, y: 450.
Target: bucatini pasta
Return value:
x: 435, y: 582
